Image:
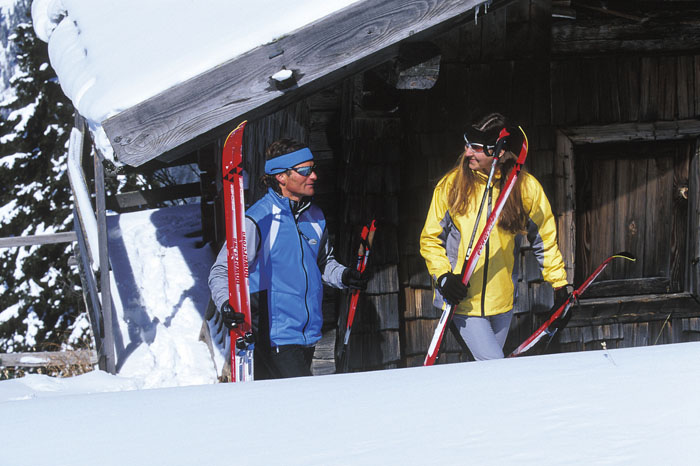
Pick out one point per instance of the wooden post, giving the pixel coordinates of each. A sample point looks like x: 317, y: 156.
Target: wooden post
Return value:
x: 564, y: 201
x: 105, y: 289
x: 90, y: 293
x: 694, y: 223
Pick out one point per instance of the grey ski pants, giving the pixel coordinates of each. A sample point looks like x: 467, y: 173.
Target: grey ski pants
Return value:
x: 485, y: 336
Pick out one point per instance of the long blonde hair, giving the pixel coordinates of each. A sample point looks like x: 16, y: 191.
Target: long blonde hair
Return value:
x: 462, y: 192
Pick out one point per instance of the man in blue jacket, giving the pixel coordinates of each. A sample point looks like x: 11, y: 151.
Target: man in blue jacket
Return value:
x: 289, y: 259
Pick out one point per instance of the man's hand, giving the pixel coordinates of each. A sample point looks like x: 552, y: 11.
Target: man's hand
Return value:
x: 230, y: 316
x: 451, y: 288
x: 353, y: 279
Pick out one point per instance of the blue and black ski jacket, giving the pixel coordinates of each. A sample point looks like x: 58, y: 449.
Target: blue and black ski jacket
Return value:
x: 289, y: 259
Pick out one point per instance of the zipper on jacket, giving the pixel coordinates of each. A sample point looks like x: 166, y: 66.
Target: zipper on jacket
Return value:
x: 486, y: 260
x: 306, y: 276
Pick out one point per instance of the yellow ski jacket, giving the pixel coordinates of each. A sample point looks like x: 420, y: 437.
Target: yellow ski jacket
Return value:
x: 444, y: 241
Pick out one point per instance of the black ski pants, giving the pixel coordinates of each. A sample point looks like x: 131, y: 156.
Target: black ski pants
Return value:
x: 283, y: 361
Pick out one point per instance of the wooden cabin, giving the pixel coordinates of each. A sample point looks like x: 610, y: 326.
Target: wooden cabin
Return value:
x: 608, y: 93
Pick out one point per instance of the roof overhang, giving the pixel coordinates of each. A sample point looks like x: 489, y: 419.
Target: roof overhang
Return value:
x: 320, y: 54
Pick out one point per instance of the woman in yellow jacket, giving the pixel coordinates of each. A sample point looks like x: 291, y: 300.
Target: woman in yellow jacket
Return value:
x: 485, y: 307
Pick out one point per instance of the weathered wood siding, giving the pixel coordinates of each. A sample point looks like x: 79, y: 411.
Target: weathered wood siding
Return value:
x: 369, y: 186
x: 636, y: 78
x: 569, y: 78
x: 381, y: 151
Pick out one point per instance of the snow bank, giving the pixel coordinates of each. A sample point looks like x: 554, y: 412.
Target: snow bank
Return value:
x: 629, y: 406
x: 35, y: 386
x: 160, y: 295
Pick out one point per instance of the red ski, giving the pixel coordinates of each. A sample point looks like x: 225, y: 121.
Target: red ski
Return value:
x: 547, y: 329
x: 472, y: 259
x: 238, y: 290
x: 366, y: 239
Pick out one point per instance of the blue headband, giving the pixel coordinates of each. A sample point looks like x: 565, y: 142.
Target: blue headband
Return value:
x: 285, y: 162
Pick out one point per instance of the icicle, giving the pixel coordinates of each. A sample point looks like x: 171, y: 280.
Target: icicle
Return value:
x: 486, y: 5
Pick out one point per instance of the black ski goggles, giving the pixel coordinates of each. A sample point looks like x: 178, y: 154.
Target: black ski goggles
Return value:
x: 305, y: 171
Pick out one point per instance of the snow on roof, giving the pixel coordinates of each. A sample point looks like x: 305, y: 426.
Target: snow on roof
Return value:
x: 110, y: 56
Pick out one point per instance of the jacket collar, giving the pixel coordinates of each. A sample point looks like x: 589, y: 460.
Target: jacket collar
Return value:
x: 296, y: 208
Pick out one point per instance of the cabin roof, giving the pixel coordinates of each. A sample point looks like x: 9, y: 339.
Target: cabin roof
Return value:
x: 110, y: 57
x: 153, y: 78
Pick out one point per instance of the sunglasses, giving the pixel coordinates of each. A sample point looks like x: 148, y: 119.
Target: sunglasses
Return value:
x: 305, y: 171
x: 475, y: 146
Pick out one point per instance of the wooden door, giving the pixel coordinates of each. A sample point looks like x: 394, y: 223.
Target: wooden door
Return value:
x: 633, y: 197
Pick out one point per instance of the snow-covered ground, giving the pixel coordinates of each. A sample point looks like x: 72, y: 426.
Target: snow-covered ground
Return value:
x: 636, y: 406
x: 628, y: 406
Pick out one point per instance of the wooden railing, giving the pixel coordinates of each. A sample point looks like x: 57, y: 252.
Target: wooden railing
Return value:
x: 93, y: 254
x: 47, y: 358
x: 90, y: 235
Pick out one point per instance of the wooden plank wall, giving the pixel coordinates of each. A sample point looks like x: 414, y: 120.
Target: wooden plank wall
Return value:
x: 603, y: 75
x: 381, y: 152
x: 655, y: 320
x: 624, y: 88
x: 369, y: 182
x: 501, y: 63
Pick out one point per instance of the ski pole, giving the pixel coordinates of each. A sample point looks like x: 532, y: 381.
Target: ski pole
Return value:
x: 484, y: 196
x: 366, y: 239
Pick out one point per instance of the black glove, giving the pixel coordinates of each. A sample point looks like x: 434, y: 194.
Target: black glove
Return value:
x: 353, y: 279
x: 230, y: 316
x: 451, y: 288
x: 560, y: 297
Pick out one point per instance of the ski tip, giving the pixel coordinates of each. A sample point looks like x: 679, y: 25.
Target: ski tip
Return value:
x: 626, y: 255
x: 238, y: 128
x: 525, y: 147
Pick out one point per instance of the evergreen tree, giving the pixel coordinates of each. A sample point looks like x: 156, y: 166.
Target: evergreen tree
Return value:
x: 40, y: 298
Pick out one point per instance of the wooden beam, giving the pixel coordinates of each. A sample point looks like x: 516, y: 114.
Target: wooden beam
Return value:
x: 49, y: 359
x: 105, y: 290
x: 627, y: 309
x: 152, y: 197
x: 596, y: 36
x: 693, y: 274
x: 356, y: 38
x: 634, y: 286
x: 660, y: 130
x: 619, y: 14
x: 89, y: 282
x: 33, y: 240
x: 564, y: 201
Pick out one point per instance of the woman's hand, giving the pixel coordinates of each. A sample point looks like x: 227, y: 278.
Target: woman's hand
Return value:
x: 451, y: 288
